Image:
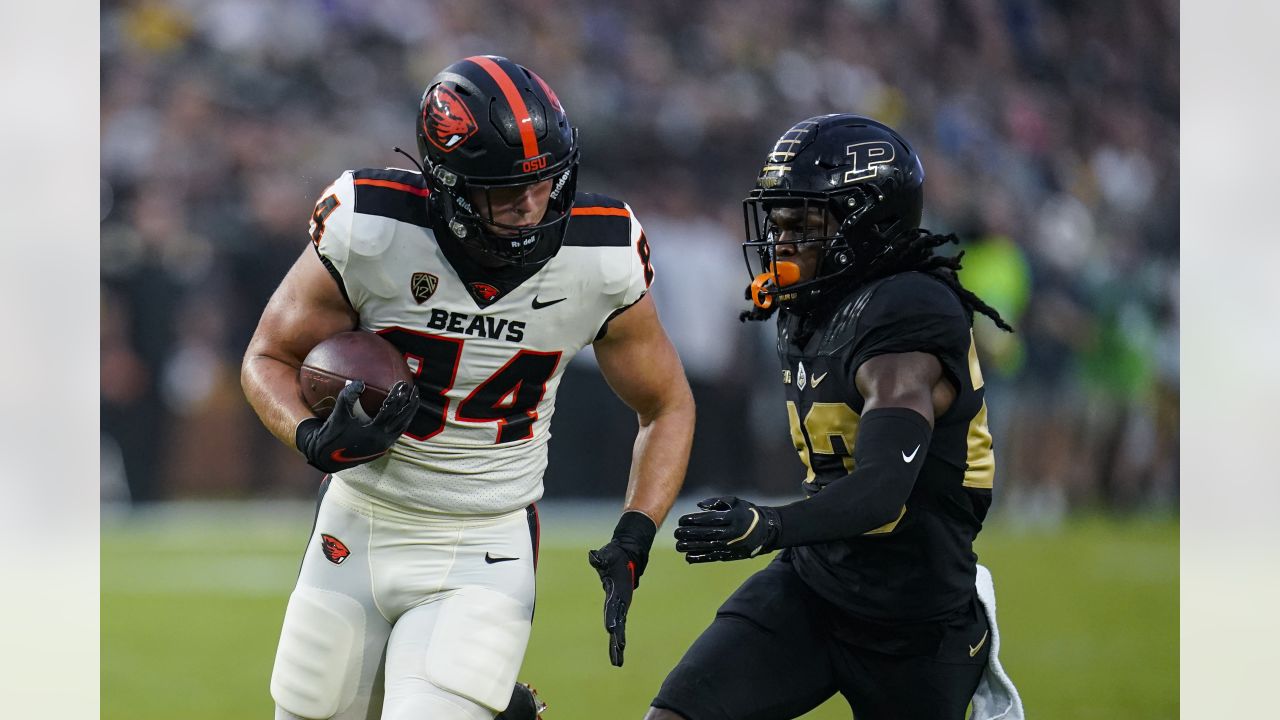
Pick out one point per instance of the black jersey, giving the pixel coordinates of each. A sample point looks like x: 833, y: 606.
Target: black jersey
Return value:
x: 921, y: 565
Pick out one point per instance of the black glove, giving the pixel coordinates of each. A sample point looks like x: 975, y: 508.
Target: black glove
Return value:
x: 341, y: 441
x: 620, y: 565
x: 730, y: 529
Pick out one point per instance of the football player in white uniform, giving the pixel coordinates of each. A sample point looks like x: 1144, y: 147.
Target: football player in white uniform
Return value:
x: 488, y: 270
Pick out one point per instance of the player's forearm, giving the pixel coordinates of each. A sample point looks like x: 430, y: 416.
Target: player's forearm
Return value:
x: 660, y: 457
x: 845, y: 509
x: 890, y: 450
x: 271, y: 387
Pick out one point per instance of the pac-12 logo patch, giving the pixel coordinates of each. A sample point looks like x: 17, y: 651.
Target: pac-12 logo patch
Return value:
x: 446, y: 120
x: 423, y: 286
x: 333, y: 549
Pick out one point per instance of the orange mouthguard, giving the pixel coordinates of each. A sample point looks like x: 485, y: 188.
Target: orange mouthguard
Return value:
x: 767, y: 283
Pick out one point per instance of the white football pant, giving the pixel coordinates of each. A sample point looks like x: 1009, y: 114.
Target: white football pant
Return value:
x: 402, y: 616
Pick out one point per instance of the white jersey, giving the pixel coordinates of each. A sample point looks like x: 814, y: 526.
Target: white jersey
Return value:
x: 487, y: 363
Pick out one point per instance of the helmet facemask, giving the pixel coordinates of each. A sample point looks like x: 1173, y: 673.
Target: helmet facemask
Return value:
x: 844, y: 246
x: 465, y: 208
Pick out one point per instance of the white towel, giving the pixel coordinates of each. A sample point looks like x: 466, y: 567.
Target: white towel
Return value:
x: 996, y: 698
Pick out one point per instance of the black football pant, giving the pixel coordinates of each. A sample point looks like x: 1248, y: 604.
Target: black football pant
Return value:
x: 772, y: 653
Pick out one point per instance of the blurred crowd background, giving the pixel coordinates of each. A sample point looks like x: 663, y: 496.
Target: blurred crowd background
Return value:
x: 1048, y: 131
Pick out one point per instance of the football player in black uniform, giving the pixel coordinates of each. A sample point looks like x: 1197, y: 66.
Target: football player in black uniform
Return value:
x: 873, y: 593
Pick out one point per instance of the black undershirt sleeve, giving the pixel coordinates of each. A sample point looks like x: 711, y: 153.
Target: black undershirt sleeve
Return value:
x: 337, y: 276
x: 888, y: 454
x: 604, y: 329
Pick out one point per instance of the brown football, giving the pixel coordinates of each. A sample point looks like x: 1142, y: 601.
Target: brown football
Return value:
x: 356, y: 355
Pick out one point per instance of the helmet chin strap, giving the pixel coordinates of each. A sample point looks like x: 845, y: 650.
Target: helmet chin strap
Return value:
x: 457, y: 228
x: 412, y: 159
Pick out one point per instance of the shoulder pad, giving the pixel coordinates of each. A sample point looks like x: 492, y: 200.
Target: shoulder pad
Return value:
x: 392, y: 193
x: 886, y: 300
x: 598, y: 221
x: 843, y: 326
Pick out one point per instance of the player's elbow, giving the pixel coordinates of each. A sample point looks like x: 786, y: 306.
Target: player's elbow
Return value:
x: 252, y: 354
x: 249, y: 375
x: 674, y: 405
x: 885, y: 511
x: 681, y: 401
x: 255, y: 369
x: 882, y: 505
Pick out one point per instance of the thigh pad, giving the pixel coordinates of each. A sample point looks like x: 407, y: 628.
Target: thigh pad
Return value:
x: 317, y: 666
x: 478, y: 645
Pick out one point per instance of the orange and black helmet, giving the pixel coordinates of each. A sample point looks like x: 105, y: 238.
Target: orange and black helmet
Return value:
x: 484, y: 123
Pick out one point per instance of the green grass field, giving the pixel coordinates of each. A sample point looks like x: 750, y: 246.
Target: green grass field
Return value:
x: 192, y: 604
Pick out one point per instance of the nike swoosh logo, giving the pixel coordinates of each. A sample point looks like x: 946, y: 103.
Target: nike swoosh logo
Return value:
x: 973, y: 649
x: 340, y: 455
x: 819, y: 378
x: 491, y: 559
x: 539, y: 305
x: 908, y: 458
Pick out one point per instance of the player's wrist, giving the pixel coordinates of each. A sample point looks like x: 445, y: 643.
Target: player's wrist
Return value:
x: 635, y: 533
x: 636, y: 526
x: 305, y: 431
x: 769, y: 529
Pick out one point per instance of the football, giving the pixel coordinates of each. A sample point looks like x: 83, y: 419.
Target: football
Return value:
x: 347, y: 356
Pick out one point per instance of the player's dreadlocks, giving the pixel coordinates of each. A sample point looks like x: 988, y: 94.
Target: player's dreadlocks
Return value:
x: 911, y: 251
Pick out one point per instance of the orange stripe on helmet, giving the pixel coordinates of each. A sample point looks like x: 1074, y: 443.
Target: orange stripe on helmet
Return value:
x: 523, y: 119
x: 423, y: 192
x: 620, y: 212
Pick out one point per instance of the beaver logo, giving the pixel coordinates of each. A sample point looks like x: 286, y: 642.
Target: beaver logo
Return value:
x: 484, y: 292
x: 446, y: 120
x: 333, y: 549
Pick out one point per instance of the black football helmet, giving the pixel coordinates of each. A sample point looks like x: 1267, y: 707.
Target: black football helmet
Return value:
x: 862, y: 172
x: 486, y: 123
